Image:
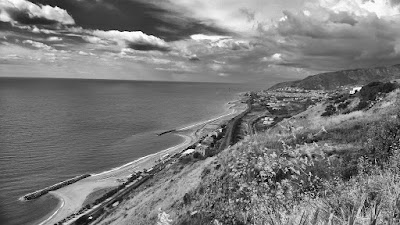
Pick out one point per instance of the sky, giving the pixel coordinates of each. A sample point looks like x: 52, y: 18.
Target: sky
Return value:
x: 195, y: 40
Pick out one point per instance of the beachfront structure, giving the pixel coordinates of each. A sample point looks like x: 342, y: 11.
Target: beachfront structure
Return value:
x: 268, y: 120
x: 202, y: 149
x: 188, y: 152
x: 208, y: 141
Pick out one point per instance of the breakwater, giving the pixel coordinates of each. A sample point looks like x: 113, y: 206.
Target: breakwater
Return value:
x: 59, y: 185
x: 166, y: 132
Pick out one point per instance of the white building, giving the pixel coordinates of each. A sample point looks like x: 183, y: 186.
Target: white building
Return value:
x: 355, y: 90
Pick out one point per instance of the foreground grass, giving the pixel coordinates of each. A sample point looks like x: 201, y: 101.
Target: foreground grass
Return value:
x: 341, y: 170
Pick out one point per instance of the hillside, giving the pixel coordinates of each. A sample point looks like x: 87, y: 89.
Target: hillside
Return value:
x: 332, y: 80
x: 309, y: 168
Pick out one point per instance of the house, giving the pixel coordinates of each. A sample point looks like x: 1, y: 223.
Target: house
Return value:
x: 165, y: 157
x: 204, y: 150
x: 208, y: 141
x: 355, y: 90
x: 268, y: 120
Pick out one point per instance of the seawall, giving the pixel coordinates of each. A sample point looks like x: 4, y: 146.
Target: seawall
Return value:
x: 37, y: 194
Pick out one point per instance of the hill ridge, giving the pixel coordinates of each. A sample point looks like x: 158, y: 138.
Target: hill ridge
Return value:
x: 333, y: 80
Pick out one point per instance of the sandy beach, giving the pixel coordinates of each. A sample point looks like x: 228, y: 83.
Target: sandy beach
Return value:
x: 73, y: 196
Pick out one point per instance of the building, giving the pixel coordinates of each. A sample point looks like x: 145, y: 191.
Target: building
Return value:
x: 202, y: 149
x: 355, y: 90
x: 188, y: 152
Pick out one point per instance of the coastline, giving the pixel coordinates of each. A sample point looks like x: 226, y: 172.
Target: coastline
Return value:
x: 72, y: 197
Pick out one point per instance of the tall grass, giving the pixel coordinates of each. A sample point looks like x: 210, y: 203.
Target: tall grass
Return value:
x: 344, y: 170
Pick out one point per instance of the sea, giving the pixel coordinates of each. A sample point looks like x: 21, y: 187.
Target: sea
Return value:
x: 55, y: 129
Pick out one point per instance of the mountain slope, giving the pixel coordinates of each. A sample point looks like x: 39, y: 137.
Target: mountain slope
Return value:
x: 332, y: 80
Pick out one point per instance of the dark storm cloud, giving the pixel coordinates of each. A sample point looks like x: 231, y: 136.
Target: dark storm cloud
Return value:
x: 5, y: 26
x: 147, y: 47
x: 26, y: 12
x: 395, y: 2
x: 336, y: 40
x: 132, y: 15
x: 24, y: 17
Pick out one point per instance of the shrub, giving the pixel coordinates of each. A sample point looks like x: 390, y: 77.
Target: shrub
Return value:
x: 185, y: 159
x: 340, y: 98
x: 362, y: 105
x: 343, y: 105
x: 277, y: 180
x: 329, y: 110
x: 197, y: 155
x: 381, y: 140
x: 370, y: 91
x: 186, y: 199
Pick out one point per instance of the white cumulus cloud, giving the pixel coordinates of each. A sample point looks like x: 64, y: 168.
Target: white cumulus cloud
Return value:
x: 133, y: 39
x: 38, y: 44
x: 54, y: 38
x: 10, y: 10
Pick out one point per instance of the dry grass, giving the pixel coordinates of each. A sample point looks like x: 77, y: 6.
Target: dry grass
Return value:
x: 308, y: 170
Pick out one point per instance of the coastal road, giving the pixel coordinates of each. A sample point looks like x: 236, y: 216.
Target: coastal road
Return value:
x: 231, y: 127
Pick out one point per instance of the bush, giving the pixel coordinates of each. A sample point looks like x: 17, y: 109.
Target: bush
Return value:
x: 197, y: 155
x: 329, y: 110
x: 370, y: 91
x: 262, y: 181
x: 362, y: 105
x: 343, y: 105
x: 381, y: 139
x: 340, y: 98
x: 186, y: 199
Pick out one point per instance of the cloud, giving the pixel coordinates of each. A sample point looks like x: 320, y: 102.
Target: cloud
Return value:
x: 54, y: 38
x: 85, y: 53
x: 147, y: 16
x: 226, y: 42
x: 95, y: 40
x: 275, y: 58
x: 37, y: 30
x: 203, y: 37
x: 336, y: 34
x: 36, y: 44
x: 194, y: 58
x: 381, y: 8
x: 25, y: 12
x: 395, y: 2
x: 257, y: 38
x: 134, y: 39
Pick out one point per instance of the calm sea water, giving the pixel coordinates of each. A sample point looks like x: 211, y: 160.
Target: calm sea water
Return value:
x: 52, y: 130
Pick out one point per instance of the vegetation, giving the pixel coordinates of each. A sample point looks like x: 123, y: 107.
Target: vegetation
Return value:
x: 368, y: 95
x: 349, y: 174
x: 372, y: 90
x: 329, y: 110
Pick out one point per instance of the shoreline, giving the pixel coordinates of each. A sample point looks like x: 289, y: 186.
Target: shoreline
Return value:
x: 55, y: 211
x: 232, y: 105
x: 71, y: 201
x: 187, y: 140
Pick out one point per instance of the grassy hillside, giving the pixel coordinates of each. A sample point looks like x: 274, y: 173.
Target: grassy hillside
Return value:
x: 341, y: 167
x: 333, y: 80
x: 310, y: 169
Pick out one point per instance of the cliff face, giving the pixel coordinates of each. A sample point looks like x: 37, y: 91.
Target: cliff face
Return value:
x: 332, y: 80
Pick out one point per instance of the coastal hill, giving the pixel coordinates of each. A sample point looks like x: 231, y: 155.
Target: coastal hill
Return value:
x: 333, y: 80
x: 312, y: 157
